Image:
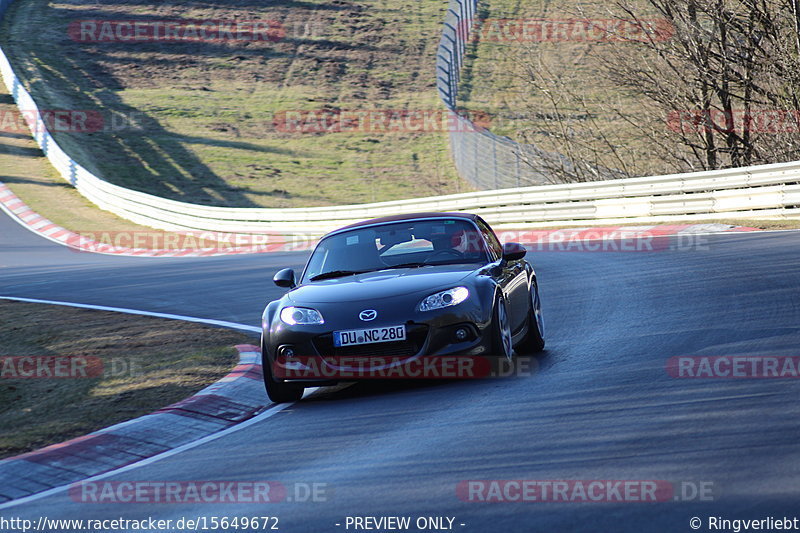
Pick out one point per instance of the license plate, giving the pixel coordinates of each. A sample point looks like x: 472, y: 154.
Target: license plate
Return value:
x: 353, y: 337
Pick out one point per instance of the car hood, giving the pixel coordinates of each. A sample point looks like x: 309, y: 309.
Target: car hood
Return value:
x: 382, y: 284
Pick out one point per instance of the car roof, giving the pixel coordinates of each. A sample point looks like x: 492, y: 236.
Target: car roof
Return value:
x: 410, y: 216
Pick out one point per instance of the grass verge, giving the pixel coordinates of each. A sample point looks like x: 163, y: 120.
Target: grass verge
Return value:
x: 28, y: 173
x: 147, y: 363
x: 196, y: 119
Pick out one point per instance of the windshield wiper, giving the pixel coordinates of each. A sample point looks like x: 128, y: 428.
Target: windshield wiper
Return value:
x: 407, y: 265
x: 337, y: 274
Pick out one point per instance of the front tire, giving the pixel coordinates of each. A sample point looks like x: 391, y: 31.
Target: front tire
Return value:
x: 534, y: 339
x: 501, y: 327
x: 278, y: 391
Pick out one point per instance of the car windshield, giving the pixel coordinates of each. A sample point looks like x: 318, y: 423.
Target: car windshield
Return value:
x: 409, y: 244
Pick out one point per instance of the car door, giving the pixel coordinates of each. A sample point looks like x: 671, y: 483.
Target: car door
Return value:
x: 513, y: 280
x: 517, y: 293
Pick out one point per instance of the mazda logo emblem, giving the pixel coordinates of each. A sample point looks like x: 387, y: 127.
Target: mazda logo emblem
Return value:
x: 368, y: 314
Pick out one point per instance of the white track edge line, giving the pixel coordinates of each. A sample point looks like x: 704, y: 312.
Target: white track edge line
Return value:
x: 149, y: 460
x: 209, y: 321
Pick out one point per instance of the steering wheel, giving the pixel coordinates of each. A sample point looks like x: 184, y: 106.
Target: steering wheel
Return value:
x: 455, y: 253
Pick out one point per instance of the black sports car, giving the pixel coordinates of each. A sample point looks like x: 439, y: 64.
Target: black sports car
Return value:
x: 403, y: 287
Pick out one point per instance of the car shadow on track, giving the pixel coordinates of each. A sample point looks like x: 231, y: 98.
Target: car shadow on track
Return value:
x: 522, y: 367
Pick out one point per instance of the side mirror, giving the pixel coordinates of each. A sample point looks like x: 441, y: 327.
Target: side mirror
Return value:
x: 285, y: 279
x: 513, y: 251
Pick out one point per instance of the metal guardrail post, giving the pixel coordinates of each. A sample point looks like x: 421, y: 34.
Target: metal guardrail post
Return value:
x: 462, y: 45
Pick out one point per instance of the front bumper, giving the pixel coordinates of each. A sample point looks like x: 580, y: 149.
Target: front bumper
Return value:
x: 314, y: 348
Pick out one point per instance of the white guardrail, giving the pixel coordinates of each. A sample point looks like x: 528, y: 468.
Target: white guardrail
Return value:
x: 767, y: 191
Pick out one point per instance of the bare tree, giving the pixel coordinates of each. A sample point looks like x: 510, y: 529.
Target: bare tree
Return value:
x: 735, y: 68
x: 713, y: 84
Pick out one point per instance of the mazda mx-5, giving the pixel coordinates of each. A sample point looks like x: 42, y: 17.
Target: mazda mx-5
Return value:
x: 398, y: 289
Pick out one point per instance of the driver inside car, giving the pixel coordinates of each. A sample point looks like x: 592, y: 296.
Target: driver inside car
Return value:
x: 457, y: 243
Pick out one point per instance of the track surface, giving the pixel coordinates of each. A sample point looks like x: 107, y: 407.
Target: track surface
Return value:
x: 601, y: 405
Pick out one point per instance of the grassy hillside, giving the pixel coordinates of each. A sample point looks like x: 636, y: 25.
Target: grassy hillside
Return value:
x: 24, y: 168
x: 204, y: 111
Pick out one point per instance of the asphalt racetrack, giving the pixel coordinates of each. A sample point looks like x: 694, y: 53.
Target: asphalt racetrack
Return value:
x: 601, y: 404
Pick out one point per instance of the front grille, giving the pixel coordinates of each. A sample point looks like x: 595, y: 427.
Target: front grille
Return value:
x: 382, y: 349
x: 415, y: 340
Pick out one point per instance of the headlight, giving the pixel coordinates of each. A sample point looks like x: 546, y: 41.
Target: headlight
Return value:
x: 300, y: 315
x: 444, y: 299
